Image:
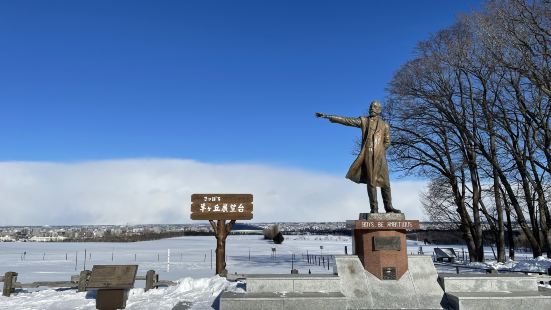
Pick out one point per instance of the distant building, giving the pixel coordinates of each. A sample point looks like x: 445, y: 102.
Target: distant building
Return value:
x: 6, y: 238
x: 47, y: 239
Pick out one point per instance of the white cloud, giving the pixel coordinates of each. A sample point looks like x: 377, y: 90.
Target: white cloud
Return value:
x: 141, y: 191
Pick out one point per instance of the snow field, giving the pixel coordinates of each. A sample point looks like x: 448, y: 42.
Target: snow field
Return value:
x: 190, y: 266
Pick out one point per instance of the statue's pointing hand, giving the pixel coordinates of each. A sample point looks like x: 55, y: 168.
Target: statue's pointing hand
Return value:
x: 318, y: 114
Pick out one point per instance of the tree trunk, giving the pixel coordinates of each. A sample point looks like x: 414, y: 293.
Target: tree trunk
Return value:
x: 510, y: 235
x: 500, y: 242
x: 500, y: 234
x: 466, y: 223
x: 534, y: 244
x: 221, y: 231
x: 221, y: 256
x: 477, y: 227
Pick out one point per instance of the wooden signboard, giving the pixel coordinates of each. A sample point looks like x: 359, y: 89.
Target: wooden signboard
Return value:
x: 112, y: 277
x: 113, y: 283
x: 220, y: 208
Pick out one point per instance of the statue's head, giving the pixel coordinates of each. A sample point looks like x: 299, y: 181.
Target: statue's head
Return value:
x: 375, y: 108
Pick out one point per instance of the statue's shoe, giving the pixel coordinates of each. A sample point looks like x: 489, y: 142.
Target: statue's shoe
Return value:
x: 393, y: 211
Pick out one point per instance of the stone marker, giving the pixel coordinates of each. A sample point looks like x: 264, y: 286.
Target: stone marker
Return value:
x: 113, y: 283
x: 10, y: 278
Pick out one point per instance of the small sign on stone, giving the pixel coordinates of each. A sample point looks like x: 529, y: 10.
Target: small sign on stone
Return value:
x: 389, y: 273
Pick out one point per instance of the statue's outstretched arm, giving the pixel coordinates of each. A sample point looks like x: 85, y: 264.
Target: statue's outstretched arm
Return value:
x: 348, y: 121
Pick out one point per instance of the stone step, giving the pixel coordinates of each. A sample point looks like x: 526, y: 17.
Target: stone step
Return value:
x: 488, y: 283
x: 282, y: 301
x: 298, y: 283
x: 498, y: 300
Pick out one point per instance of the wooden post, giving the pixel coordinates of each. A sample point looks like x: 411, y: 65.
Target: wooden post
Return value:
x: 221, y: 231
x: 83, y: 280
x: 10, y: 278
x: 149, y: 280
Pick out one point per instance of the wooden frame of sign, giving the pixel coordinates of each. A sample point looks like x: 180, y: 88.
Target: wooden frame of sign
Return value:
x: 221, y: 208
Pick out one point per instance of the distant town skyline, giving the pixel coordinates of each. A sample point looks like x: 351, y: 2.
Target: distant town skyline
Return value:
x: 102, y: 99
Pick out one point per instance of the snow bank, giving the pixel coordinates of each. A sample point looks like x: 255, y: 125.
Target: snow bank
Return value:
x: 195, y: 294
x: 539, y: 264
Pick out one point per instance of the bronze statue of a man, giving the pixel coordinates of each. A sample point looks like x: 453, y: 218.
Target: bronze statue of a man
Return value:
x: 370, y: 166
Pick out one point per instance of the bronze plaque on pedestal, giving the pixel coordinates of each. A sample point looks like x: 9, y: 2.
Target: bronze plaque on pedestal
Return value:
x: 391, y: 243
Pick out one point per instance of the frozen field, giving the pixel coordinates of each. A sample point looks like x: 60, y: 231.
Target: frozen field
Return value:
x: 189, y: 256
x: 190, y: 265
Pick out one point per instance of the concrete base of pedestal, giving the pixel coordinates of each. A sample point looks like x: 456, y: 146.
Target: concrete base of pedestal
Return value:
x: 417, y: 289
x: 351, y: 287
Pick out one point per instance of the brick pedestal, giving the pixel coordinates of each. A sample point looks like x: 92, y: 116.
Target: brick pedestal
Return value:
x: 380, y: 243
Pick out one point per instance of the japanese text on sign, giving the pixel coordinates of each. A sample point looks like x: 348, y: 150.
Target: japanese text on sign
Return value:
x: 224, y: 207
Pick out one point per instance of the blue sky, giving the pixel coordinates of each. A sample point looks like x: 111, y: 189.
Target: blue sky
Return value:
x: 213, y: 81
x: 117, y: 111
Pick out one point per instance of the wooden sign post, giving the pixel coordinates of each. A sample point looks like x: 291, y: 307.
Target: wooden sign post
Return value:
x: 221, y: 208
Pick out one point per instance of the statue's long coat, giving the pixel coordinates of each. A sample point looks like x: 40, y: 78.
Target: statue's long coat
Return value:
x: 370, y: 167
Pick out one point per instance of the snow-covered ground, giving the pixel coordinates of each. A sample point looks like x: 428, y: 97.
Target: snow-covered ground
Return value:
x: 189, y: 256
x: 189, y: 264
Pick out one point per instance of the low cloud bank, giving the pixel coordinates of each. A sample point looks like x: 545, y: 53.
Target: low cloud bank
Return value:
x: 143, y: 191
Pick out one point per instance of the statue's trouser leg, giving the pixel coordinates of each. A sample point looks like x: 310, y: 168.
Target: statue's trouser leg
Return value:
x: 372, y: 193
x: 387, y: 198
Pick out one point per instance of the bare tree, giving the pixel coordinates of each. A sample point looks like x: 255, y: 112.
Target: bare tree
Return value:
x: 478, y: 116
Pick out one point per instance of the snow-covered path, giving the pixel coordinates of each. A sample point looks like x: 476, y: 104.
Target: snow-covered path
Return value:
x: 189, y: 293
